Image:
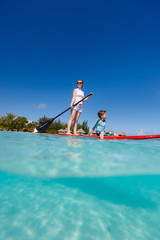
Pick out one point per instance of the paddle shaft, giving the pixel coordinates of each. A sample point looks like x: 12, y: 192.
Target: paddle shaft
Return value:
x: 43, y: 126
x: 70, y: 107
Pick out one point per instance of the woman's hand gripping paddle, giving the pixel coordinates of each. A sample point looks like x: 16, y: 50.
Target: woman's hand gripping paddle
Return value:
x: 44, y: 125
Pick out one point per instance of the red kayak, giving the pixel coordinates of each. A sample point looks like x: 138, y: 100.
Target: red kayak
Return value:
x: 143, y: 137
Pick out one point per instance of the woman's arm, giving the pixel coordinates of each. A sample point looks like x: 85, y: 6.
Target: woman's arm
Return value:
x: 91, y: 94
x: 73, y: 98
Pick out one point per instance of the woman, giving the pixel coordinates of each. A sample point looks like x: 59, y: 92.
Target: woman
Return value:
x: 78, y: 95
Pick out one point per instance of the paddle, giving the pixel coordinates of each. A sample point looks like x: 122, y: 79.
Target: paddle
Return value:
x: 41, y: 127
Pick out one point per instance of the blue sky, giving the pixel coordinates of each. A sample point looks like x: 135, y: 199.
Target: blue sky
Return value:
x: 114, y: 46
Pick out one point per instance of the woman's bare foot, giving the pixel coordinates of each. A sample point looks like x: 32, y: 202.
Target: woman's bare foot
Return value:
x: 76, y: 134
x: 68, y: 133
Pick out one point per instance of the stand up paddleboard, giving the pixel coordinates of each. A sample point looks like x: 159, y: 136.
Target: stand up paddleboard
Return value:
x: 143, y: 137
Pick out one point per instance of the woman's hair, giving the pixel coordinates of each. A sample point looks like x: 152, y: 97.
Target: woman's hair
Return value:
x: 100, y: 113
x: 80, y: 80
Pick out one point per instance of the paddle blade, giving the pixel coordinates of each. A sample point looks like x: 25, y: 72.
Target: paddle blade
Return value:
x: 42, y: 127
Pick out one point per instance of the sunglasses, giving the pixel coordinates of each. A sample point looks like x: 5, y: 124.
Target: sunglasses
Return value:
x: 79, y: 82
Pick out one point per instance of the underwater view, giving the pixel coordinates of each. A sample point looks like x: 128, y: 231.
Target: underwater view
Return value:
x: 55, y: 187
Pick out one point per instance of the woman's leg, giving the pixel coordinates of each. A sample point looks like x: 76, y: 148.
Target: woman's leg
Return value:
x: 75, y: 123
x: 72, y: 117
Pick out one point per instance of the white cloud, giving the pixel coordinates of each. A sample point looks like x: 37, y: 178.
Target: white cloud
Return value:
x: 39, y: 106
x: 42, y: 106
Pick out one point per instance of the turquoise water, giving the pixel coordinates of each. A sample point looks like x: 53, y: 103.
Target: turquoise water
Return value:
x: 55, y: 187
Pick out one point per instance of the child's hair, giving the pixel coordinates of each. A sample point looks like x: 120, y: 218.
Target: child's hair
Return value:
x: 101, y: 112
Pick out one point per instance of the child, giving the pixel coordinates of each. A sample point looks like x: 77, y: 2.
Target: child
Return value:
x: 100, y: 125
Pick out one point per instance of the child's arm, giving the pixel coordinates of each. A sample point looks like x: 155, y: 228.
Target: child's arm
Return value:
x: 91, y: 132
x: 102, y: 135
x: 95, y: 126
x: 73, y: 98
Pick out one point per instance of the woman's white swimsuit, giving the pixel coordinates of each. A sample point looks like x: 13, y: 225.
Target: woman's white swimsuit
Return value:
x: 79, y: 96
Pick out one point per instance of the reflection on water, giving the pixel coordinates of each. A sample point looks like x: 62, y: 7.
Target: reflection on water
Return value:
x: 73, y: 142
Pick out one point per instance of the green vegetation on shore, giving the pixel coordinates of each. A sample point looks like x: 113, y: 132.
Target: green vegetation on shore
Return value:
x: 11, y: 122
